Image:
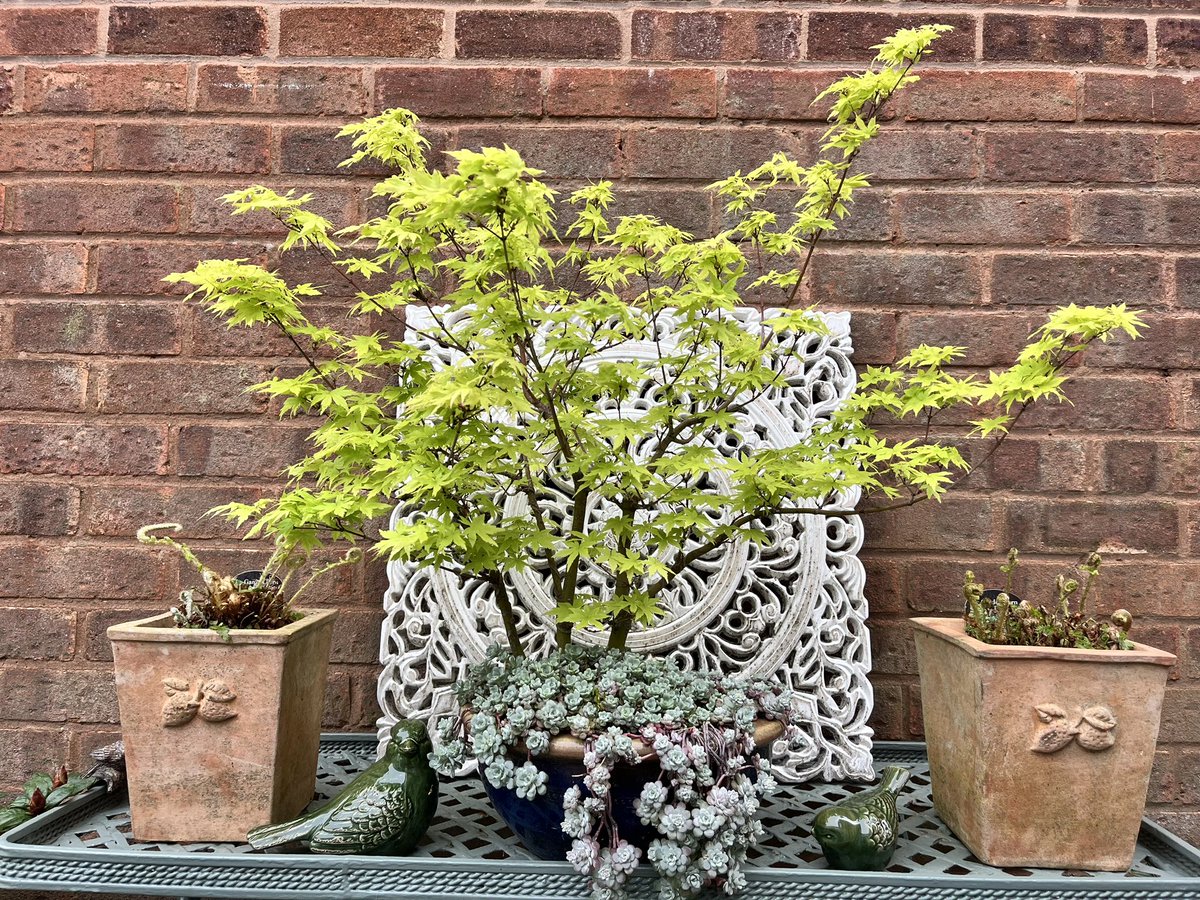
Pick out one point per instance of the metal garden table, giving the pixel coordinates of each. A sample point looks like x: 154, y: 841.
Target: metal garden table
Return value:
x: 84, y: 846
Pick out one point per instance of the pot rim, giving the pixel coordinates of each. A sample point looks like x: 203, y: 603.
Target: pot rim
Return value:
x: 154, y: 630
x: 953, y: 630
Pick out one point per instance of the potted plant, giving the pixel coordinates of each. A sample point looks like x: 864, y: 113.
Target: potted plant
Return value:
x: 1026, y: 701
x: 520, y: 378
x: 221, y: 700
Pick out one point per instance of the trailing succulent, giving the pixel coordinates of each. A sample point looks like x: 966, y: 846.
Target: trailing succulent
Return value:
x: 1000, y: 617
x: 626, y: 707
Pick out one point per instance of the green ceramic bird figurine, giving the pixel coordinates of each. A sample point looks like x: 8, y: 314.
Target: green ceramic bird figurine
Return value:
x: 860, y: 832
x: 383, y: 811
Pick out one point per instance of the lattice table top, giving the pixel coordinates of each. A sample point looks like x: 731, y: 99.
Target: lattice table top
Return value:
x: 85, y: 846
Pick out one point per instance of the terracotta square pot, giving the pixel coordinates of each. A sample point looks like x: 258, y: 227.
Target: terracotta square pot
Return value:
x: 1039, y: 756
x: 220, y: 735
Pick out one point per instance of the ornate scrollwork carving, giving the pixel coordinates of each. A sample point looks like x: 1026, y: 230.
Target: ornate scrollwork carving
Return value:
x: 792, y: 608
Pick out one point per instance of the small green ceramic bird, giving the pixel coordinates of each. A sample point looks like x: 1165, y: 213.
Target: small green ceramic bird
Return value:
x: 860, y: 832
x: 383, y: 811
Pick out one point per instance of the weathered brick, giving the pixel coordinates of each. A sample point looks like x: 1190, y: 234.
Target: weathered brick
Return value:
x: 239, y: 451
x: 96, y: 645
x: 892, y: 648
x: 933, y: 585
x: 7, y: 87
x: 27, y: 750
x: 1069, y: 526
x: 41, y: 384
x: 454, y: 91
x: 854, y: 35
x: 35, y: 694
x: 887, y: 715
x: 36, y: 633
x: 74, y: 207
x: 987, y: 338
x: 1065, y: 39
x: 561, y: 151
x: 920, y: 155
x: 1180, y: 156
x: 188, y: 30
x: 1141, y: 4
x: 959, y: 522
x: 885, y: 583
x: 45, y: 147
x: 364, y: 703
x: 37, y: 508
x: 179, y: 387
x: 983, y: 217
x: 1140, y: 98
x: 1106, y: 402
x: 122, y: 510
x: 209, y: 214
x: 716, y: 35
x: 301, y: 90
x: 1167, y: 342
x: 1070, y: 156
x: 891, y: 278
x: 703, y: 152
x: 786, y: 94
x: 644, y: 93
x: 104, y: 87
x: 1125, y: 217
x: 341, y: 30
x: 193, y: 147
x: 43, y: 268
x: 1151, y: 466
x: 135, y: 268
x: 990, y: 96
x: 1187, y: 282
x: 48, y: 31
x: 337, y: 701
x: 871, y: 218
x: 143, y: 329
x: 317, y: 150
x: 1154, y: 586
x: 356, y: 637
x: 1051, y: 279
x: 1027, y: 463
x: 82, y: 572
x: 690, y: 210
x: 1178, y: 42
x: 874, y: 335
x: 58, y: 448
x: 536, y: 34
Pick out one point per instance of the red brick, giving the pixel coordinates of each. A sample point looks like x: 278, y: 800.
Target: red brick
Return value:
x: 300, y: 90
x: 983, y: 217
x: 74, y: 207
x: 1141, y: 4
x: 337, y: 701
x: 1035, y: 463
x: 1052, y: 279
x: 24, y: 751
x: 42, y: 268
x: 919, y: 155
x: 892, y: 649
x: 688, y: 209
x: 125, y: 268
x: 1192, y: 662
x: 1106, y: 402
x: 643, y: 93
x: 703, y: 152
x: 309, y: 150
x: 874, y: 335
x: 356, y: 637
x: 142, y: 329
x: 1126, y: 217
x: 179, y: 387
x: 854, y: 35
x: 208, y: 214
x: 364, y: 704
x: 1140, y: 98
x: 339, y: 30
x: 958, y: 522
x: 36, y: 633
x: 7, y: 87
x: 933, y: 586
x: 1187, y: 282
x: 561, y: 151
x: 192, y: 147
x: 41, y: 384
x: 1065, y: 39
x: 1178, y: 42
x: 36, y: 694
x: 48, y: 32
x: 1168, y: 342
x: 870, y: 216
x: 1181, y: 156
x: 37, y: 508
x: 1063, y: 526
x: 536, y: 34
x: 887, y: 715
x: 454, y: 91
x: 1070, y: 156
x: 990, y: 96
x: 60, y: 448
x: 260, y: 451
x: 1149, y: 586
x: 988, y: 338
x: 82, y: 572
x: 717, y: 34
x: 101, y: 87
x: 188, y: 30
x: 786, y: 94
x: 890, y: 278
x: 884, y: 585
x: 47, y: 147
x: 1151, y: 466
x: 121, y: 510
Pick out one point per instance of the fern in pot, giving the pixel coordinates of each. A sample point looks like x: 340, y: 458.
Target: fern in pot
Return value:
x: 517, y: 383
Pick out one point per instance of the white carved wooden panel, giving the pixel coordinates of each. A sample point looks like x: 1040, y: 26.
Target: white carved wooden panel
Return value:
x: 792, y: 609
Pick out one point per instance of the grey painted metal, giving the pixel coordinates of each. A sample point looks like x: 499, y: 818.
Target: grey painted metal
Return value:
x: 85, y: 846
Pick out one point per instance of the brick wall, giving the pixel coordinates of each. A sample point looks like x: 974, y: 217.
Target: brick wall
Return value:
x: 1050, y: 155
